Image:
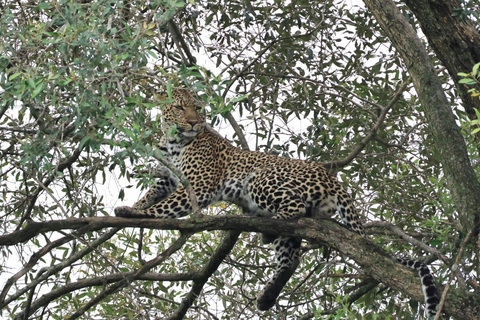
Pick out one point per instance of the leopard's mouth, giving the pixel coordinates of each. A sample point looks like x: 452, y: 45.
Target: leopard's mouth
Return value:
x: 189, y: 133
x: 192, y: 131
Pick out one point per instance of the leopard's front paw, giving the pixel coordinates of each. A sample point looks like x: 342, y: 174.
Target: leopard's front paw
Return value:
x: 127, y: 212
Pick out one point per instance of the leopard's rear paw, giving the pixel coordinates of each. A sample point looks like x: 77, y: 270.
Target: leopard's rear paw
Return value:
x: 269, y: 295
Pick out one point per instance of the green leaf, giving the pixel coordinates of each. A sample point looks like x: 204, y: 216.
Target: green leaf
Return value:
x: 475, y: 69
x: 13, y: 76
x: 467, y: 81
x: 477, y: 112
x: 37, y: 90
x: 179, y: 4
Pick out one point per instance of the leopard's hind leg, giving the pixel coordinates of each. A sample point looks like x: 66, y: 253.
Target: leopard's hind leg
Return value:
x: 287, y: 257
x: 287, y: 249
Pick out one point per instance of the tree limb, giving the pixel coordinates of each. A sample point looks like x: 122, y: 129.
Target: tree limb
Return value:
x: 372, y: 134
x: 447, y: 138
x: 38, y: 255
x: 369, y: 256
x: 126, y: 281
x: 101, y: 281
x: 56, y: 268
x: 227, y: 244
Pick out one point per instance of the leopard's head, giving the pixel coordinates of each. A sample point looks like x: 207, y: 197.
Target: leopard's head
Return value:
x: 182, y: 118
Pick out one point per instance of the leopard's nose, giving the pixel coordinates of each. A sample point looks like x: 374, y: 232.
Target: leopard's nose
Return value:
x: 192, y: 122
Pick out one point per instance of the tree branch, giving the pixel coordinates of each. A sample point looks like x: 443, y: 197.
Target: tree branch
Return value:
x: 371, y: 257
x: 38, y: 255
x: 217, y: 258
x: 406, y: 237
x: 126, y: 281
x: 56, y: 268
x: 181, y: 43
x: 101, y: 281
x: 371, y: 135
x: 446, y: 136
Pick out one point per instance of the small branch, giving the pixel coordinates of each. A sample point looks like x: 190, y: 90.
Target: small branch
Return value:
x: 214, y: 262
x: 127, y: 280
x: 372, y: 134
x: 454, y: 271
x: 406, y: 237
x: 181, y: 43
x: 101, y: 281
x: 238, y: 131
x: 56, y: 268
x: 33, y: 197
x: 365, y: 287
x: 37, y: 256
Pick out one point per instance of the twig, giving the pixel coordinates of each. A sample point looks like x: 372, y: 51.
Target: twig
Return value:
x: 44, y: 187
x: 409, y: 239
x: 103, y: 280
x: 181, y: 43
x: 37, y: 255
x: 238, y: 131
x: 56, y: 268
x: 33, y: 197
x: 222, y: 251
x: 183, y: 180
x: 454, y: 271
x: 373, y: 131
x: 125, y: 282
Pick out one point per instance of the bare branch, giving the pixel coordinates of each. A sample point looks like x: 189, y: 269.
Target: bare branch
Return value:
x: 183, y: 180
x: 454, y: 272
x: 56, y: 268
x: 415, y: 242
x: 372, y: 134
x: 101, y: 281
x: 218, y: 256
x: 181, y: 43
x: 126, y: 281
x: 38, y: 255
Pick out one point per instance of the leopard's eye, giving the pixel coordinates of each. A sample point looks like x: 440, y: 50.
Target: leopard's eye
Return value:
x: 178, y: 106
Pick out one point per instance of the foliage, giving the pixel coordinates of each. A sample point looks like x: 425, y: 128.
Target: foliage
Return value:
x: 79, y: 104
x: 472, y: 79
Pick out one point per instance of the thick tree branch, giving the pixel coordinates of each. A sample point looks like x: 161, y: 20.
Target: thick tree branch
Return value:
x: 448, y: 140
x: 454, y: 40
x: 369, y: 256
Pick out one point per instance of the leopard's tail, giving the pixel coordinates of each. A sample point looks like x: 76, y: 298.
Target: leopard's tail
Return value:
x: 428, y: 284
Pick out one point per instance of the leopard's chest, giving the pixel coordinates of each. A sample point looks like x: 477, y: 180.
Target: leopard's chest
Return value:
x: 175, y: 154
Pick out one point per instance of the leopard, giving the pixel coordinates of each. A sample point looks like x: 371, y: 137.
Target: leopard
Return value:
x: 261, y: 184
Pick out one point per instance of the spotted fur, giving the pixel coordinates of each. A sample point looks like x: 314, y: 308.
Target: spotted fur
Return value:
x: 259, y: 183
x: 428, y: 284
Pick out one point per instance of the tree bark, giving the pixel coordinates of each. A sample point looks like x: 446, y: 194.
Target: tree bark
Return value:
x: 447, y: 138
x: 370, y: 256
x: 455, y: 42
